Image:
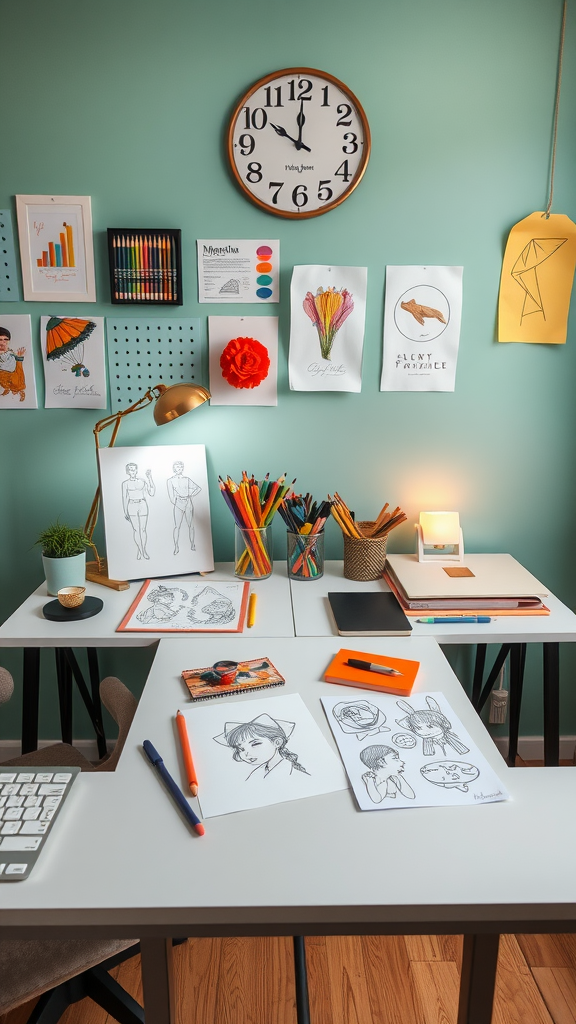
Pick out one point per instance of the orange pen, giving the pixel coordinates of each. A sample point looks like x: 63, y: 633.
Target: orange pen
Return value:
x: 187, y: 753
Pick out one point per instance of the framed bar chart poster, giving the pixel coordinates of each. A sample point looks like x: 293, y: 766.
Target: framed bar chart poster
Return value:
x: 56, y: 248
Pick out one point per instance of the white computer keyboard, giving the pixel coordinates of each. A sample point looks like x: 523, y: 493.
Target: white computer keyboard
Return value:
x: 30, y: 800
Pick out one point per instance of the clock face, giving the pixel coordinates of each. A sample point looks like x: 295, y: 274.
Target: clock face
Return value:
x: 298, y: 142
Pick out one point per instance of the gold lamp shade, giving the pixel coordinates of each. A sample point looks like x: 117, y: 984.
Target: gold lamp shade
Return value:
x: 177, y: 400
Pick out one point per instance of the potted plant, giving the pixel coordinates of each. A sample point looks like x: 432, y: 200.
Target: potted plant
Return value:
x: 63, y: 556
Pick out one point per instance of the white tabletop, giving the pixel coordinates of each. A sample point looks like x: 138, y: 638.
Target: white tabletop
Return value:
x: 27, y: 626
x: 312, y: 616
x: 121, y: 858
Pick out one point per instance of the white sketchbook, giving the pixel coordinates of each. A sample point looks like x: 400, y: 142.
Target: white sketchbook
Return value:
x: 409, y: 753
x: 259, y: 752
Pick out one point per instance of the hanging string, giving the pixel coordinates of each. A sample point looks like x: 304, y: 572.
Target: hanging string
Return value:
x: 556, y: 110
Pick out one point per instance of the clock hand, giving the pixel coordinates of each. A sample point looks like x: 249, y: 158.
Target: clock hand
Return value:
x: 282, y: 131
x: 300, y: 122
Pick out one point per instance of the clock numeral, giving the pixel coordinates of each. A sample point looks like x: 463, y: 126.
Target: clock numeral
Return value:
x: 324, y: 193
x: 343, y: 171
x: 345, y: 110
x: 277, y: 185
x: 251, y: 118
x: 278, y: 91
x: 305, y: 86
x: 325, y: 95
x: 246, y: 143
x: 254, y: 172
x: 352, y: 145
x: 300, y: 196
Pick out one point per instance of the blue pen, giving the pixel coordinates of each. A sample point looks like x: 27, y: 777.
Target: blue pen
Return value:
x: 458, y: 618
x: 155, y: 759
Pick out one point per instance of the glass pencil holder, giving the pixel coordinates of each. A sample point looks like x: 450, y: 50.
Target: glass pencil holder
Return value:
x: 305, y: 555
x: 253, y: 553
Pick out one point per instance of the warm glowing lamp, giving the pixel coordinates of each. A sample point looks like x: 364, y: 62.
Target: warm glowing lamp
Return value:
x: 440, y: 537
x: 171, y: 402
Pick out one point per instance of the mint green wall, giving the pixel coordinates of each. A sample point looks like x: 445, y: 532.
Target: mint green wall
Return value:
x: 128, y: 100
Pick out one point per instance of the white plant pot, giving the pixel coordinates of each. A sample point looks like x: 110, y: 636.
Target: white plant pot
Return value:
x: 64, y: 572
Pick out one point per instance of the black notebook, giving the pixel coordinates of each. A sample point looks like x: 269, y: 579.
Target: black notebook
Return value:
x: 368, y: 614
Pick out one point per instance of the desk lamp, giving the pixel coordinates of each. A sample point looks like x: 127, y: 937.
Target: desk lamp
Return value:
x: 171, y: 402
x: 440, y: 537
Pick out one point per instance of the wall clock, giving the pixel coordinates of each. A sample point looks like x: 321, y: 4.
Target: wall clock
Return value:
x: 298, y: 142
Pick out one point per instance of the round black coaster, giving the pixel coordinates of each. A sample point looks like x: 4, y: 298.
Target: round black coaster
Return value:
x: 57, y: 613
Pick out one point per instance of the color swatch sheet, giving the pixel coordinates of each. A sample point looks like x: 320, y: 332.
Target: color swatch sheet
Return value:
x: 238, y: 270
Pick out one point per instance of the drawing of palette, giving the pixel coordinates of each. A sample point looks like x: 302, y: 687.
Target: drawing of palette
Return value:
x: 264, y: 269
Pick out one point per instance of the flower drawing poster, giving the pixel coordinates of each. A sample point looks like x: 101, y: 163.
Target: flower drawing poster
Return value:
x: 74, y: 362
x: 328, y: 308
x: 17, y: 380
x: 422, y: 314
x: 243, y: 356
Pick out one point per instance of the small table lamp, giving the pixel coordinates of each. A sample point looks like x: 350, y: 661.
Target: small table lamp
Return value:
x: 440, y: 537
x: 171, y: 402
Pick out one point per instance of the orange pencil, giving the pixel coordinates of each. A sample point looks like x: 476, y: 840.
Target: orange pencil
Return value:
x: 187, y: 753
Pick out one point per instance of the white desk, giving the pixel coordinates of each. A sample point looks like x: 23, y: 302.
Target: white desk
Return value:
x: 315, y: 866
x: 312, y: 618
x: 27, y: 628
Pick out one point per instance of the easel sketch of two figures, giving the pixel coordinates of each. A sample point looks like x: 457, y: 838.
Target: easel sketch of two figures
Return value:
x: 181, y: 491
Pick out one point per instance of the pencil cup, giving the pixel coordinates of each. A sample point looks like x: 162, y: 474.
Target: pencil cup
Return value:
x: 305, y: 555
x: 253, y: 553
x: 364, y: 557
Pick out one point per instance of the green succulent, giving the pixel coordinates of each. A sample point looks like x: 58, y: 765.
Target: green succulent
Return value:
x: 61, y: 541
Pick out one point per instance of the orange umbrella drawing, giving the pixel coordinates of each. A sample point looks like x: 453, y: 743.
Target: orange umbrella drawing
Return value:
x: 65, y: 337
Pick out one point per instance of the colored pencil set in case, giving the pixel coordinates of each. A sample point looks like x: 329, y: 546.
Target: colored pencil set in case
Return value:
x: 145, y: 266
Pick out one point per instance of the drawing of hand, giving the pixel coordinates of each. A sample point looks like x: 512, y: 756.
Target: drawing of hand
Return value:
x: 20, y: 351
x: 368, y: 777
x: 420, y: 312
x: 149, y: 474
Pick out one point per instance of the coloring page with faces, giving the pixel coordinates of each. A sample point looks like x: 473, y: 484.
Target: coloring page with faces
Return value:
x: 411, y: 752
x: 251, y: 753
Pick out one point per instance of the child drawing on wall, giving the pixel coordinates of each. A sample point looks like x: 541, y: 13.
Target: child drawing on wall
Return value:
x: 262, y: 744
x: 12, y: 379
x: 384, y: 778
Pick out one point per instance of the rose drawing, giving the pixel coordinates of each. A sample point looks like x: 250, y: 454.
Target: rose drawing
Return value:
x: 245, y: 363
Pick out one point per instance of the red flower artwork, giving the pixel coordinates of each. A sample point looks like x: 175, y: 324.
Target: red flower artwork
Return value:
x: 245, y: 363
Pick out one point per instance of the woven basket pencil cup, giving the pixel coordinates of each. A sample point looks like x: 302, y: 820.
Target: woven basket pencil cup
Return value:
x: 364, y: 557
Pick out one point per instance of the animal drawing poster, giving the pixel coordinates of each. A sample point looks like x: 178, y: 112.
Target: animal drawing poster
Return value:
x: 328, y: 309
x: 422, y: 314
x: 252, y: 753
x: 536, y: 281
x: 186, y: 606
x: 409, y: 753
x: 74, y: 362
x: 243, y: 354
x: 17, y: 379
x: 156, y: 510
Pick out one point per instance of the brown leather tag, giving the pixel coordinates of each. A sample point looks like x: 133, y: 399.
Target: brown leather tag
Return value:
x: 457, y: 570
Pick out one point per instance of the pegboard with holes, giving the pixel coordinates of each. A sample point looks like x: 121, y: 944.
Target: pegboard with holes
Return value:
x: 144, y: 351
x: 9, y: 288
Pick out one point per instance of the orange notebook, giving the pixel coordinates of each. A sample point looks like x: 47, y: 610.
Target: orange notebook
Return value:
x: 339, y: 672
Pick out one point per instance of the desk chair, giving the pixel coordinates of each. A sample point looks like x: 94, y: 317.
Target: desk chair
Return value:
x: 118, y: 700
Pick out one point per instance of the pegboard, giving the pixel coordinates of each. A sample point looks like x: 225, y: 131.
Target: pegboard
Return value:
x: 9, y: 288
x: 144, y: 351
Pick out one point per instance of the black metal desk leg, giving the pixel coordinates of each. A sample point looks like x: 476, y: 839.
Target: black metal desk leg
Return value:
x: 478, y: 674
x: 64, y: 677
x: 551, y: 656
x: 158, y: 981
x: 478, y: 979
x: 94, y: 671
x: 301, y: 981
x: 517, y: 660
x: 30, y: 698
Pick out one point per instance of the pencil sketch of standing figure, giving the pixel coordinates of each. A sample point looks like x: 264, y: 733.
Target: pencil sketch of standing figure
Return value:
x: 432, y: 727
x: 262, y: 743
x: 181, y: 490
x: 384, y: 777
x: 134, y: 491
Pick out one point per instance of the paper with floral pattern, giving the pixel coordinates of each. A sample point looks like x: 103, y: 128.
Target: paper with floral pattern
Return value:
x: 328, y: 307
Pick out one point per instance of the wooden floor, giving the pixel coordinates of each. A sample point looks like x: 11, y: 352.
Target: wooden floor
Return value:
x: 369, y: 980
